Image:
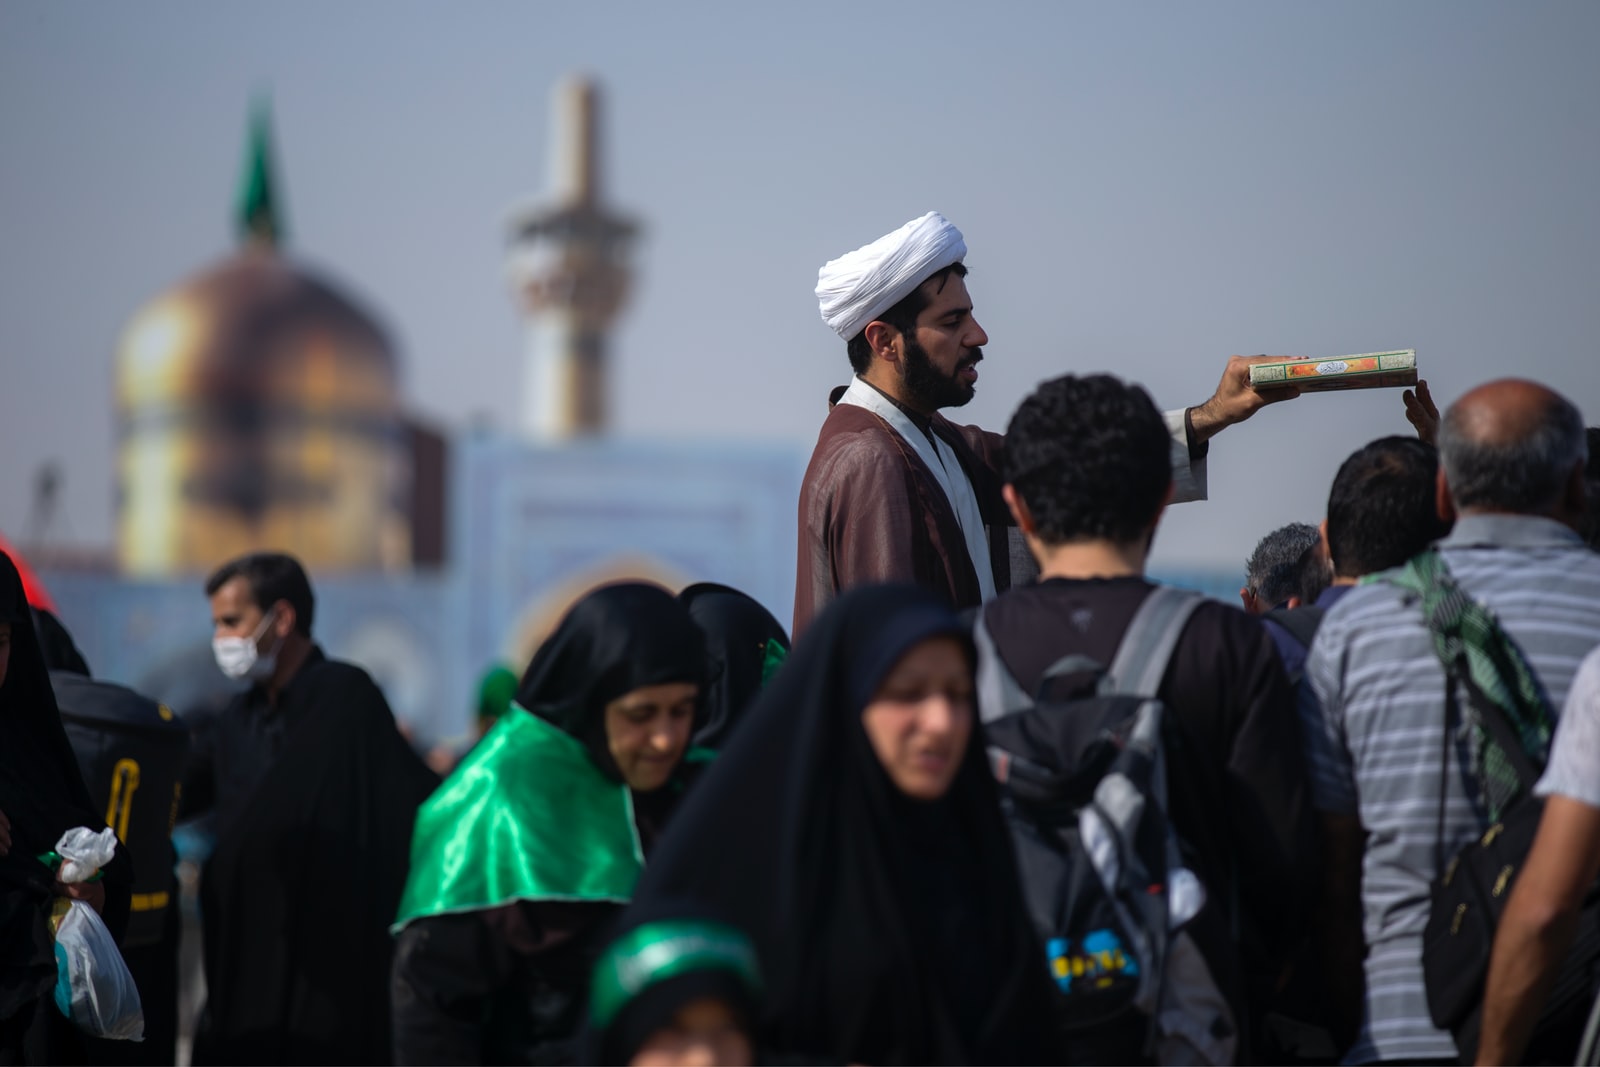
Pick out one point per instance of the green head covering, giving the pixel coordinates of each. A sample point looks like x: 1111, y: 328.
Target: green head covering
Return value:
x: 654, y: 952
x: 495, y: 691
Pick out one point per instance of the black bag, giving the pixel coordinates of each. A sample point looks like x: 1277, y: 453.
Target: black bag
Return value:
x: 131, y: 751
x: 1083, y: 778
x: 1470, y: 894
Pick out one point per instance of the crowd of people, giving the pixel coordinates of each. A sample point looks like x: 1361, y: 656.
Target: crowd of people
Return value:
x: 1005, y: 799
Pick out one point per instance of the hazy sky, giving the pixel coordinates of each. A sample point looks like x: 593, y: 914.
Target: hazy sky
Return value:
x: 1143, y: 188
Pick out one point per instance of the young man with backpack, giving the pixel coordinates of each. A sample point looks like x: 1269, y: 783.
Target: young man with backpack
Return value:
x: 1088, y: 477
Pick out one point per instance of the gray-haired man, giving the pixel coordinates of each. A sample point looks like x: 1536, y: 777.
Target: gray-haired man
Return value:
x: 1511, y: 474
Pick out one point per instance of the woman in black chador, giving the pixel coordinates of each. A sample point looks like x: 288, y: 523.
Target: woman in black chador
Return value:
x: 852, y: 829
x: 745, y: 645
x: 535, y: 841
x: 42, y: 796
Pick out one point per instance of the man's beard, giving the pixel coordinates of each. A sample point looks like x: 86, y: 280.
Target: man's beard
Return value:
x: 928, y: 388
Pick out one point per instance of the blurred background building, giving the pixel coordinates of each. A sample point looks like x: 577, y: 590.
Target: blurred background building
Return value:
x: 260, y: 405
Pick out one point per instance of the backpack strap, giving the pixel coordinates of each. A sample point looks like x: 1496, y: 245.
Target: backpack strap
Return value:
x: 1512, y: 718
x: 1149, y: 641
x: 999, y: 693
x: 1140, y: 664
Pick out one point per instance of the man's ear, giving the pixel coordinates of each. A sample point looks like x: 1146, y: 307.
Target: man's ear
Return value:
x: 1293, y: 602
x: 283, y: 619
x: 1019, y: 509
x: 1247, y: 599
x: 881, y: 338
x: 1443, y: 503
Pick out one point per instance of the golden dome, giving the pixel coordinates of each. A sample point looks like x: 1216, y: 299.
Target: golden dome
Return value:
x: 253, y: 329
x: 259, y: 407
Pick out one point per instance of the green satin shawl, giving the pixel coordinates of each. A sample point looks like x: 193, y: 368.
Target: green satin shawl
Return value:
x: 526, y: 816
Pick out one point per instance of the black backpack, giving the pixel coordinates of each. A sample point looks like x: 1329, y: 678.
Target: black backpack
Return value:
x: 131, y: 751
x: 1083, y: 787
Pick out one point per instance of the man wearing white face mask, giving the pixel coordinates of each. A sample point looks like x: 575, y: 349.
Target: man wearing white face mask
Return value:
x: 241, y: 657
x: 261, y: 612
x: 314, y: 792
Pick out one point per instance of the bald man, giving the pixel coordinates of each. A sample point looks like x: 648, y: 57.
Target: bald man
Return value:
x: 1373, y: 712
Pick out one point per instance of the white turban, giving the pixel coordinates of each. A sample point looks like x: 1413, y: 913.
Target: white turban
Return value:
x: 861, y: 285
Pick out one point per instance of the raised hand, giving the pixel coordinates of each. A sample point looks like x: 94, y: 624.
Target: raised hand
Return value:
x: 1235, y: 400
x: 1422, y: 413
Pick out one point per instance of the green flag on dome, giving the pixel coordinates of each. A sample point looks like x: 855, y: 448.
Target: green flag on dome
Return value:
x: 259, y: 217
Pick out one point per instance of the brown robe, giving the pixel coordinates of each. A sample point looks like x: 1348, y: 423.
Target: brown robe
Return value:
x: 871, y: 511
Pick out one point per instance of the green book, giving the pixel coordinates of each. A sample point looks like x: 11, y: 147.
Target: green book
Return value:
x: 1370, y: 370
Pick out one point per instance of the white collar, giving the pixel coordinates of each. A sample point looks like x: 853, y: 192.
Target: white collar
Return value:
x: 947, y: 471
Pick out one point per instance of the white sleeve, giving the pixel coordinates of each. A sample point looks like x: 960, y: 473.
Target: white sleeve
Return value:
x: 1188, y: 475
x: 1574, y: 768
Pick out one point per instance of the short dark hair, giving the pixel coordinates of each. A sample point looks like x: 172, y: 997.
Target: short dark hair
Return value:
x: 1091, y: 457
x: 1524, y: 475
x: 903, y: 316
x: 1274, y: 570
x: 271, y: 576
x: 1381, y: 509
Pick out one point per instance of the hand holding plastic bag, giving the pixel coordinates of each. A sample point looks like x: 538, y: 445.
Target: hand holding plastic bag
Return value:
x: 93, y: 986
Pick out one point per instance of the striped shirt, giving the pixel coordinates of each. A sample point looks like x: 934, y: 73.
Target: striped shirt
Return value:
x: 1373, y: 719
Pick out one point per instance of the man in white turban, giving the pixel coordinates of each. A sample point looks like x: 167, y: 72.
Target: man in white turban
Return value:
x: 895, y: 492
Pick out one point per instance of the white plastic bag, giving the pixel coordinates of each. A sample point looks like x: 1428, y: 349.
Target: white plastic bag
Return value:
x: 93, y: 986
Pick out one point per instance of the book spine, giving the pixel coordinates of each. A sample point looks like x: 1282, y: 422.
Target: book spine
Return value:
x: 1304, y: 372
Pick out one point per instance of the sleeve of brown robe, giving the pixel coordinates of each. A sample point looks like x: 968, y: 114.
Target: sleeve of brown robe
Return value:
x: 857, y: 523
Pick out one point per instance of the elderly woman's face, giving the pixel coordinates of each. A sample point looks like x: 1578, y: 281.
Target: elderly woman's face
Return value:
x: 647, y: 731
x: 920, y: 720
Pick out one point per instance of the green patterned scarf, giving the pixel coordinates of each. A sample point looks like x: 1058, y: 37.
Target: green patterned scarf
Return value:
x: 1474, y: 648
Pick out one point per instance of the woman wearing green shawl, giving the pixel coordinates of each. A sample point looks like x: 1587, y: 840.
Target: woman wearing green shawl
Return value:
x: 535, y: 842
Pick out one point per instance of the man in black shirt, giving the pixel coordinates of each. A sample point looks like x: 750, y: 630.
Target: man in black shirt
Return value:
x: 314, y: 792
x: 1088, y: 477
x: 261, y: 612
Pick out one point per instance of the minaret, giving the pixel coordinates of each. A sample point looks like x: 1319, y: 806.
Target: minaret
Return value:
x: 568, y: 262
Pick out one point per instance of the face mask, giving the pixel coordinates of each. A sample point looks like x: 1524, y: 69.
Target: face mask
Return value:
x: 239, y: 658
